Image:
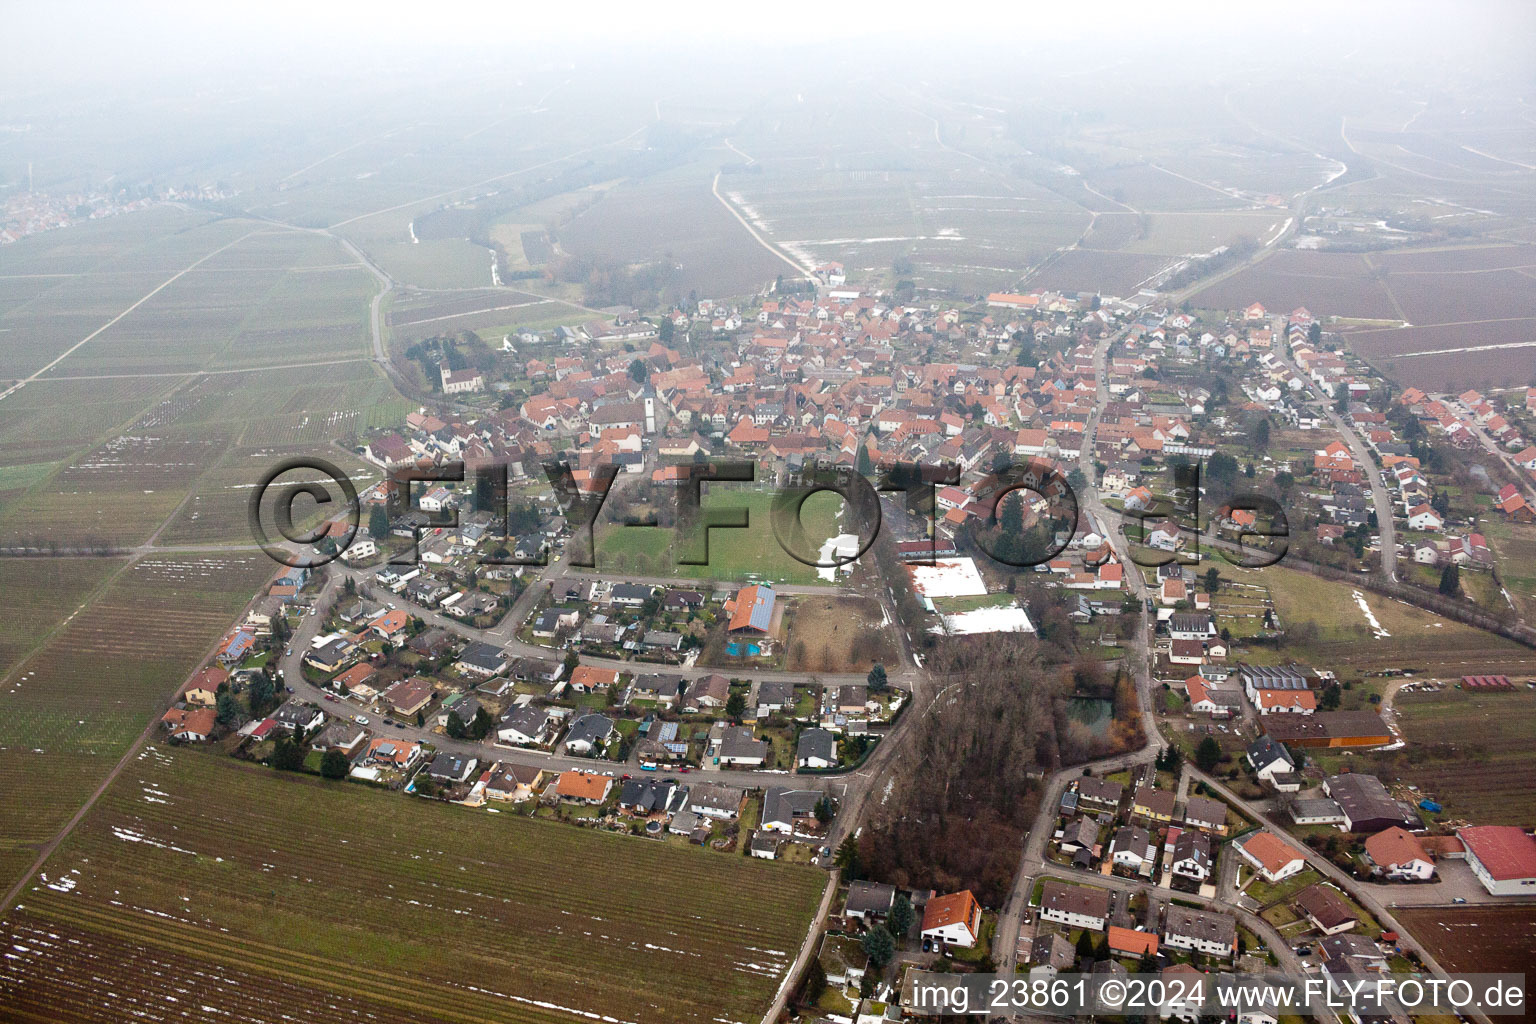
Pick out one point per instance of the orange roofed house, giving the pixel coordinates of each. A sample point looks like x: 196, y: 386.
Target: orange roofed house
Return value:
x: 751, y: 610
x: 954, y: 919
x: 1130, y: 942
x: 583, y: 787
x: 1274, y: 858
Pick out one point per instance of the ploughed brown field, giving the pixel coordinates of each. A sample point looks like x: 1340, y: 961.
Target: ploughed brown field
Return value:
x: 1468, y: 939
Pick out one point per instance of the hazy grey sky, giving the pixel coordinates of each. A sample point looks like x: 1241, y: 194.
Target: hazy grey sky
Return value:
x: 64, y: 43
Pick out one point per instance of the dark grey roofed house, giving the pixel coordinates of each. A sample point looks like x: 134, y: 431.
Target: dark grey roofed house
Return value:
x: 1265, y: 751
x: 738, y: 746
x: 715, y: 799
x: 662, y: 640
x: 869, y: 899
x: 483, y: 659
x: 466, y: 708
x: 295, y: 715
x: 646, y: 796
x: 775, y: 694
x: 631, y: 594
x: 522, y: 724
x: 817, y: 748
x: 447, y: 767
x: 548, y: 621
x: 782, y: 808
x: 589, y: 732
x: 340, y: 734
x: 660, y: 686
x: 683, y: 599
x: 1052, y: 951
x: 1191, y: 625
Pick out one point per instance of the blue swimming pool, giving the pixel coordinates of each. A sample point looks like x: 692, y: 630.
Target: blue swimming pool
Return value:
x: 739, y: 650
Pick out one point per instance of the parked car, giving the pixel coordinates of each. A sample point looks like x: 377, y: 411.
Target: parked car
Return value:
x: 360, y: 719
x: 1459, y: 899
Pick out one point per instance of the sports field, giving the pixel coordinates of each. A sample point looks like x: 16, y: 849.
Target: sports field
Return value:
x: 734, y: 554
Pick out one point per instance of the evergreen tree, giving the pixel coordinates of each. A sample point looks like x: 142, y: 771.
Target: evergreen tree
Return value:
x: 378, y: 523
x: 1208, y: 754
x: 334, y: 765
x: 877, y: 679
x: 287, y: 756
x: 228, y: 709
x: 847, y: 858
x: 902, y: 916
x: 1450, y: 580
x: 879, y: 946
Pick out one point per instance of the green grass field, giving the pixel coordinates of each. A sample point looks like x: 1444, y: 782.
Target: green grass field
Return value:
x: 373, y: 900
x: 734, y: 554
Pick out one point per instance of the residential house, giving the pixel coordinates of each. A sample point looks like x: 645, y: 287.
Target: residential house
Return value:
x: 295, y: 717
x: 1205, y: 813
x: 1129, y: 942
x: 869, y: 901
x: 523, y: 726
x: 1200, y: 931
x: 576, y: 786
x: 707, y: 693
x: 785, y: 809
x: 1154, y: 804
x: 954, y: 919
x: 1322, y: 905
x: 1191, y: 856
x: 448, y: 767
x: 1270, y: 855
x: 410, y: 697
x: 816, y: 748
x: 715, y: 800
x: 1398, y: 855
x: 513, y: 782
x: 1075, y: 906
x: 736, y: 745
x: 483, y: 660
x: 589, y: 735
x: 1131, y: 847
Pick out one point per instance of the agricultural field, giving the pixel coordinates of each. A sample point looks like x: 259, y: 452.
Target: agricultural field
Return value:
x: 1350, y: 643
x: 1451, y: 357
x: 674, y: 217
x: 218, y: 510
x: 734, y: 554
x: 1470, y: 752
x: 70, y: 710
x: 1090, y: 270
x: 39, y: 594
x: 1467, y: 939
x: 1328, y: 284
x: 357, y: 901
